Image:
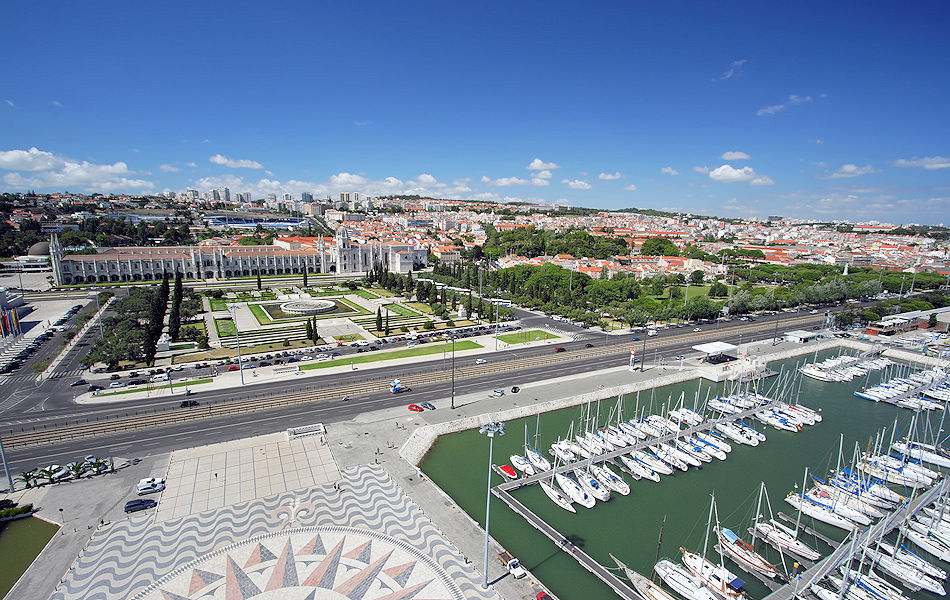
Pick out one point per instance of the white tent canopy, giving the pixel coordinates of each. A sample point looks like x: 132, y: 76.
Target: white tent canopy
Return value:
x: 715, y: 348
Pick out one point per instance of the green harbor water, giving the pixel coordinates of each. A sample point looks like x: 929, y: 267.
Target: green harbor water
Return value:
x: 21, y: 541
x: 628, y: 526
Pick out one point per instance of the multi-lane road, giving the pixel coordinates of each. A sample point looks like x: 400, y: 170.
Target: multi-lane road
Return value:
x: 203, y: 429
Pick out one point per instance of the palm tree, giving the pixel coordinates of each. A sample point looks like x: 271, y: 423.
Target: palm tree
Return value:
x: 98, y: 464
x: 76, y: 468
x: 27, y: 478
x: 46, y: 473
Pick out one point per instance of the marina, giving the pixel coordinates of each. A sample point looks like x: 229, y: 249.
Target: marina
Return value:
x: 588, y: 538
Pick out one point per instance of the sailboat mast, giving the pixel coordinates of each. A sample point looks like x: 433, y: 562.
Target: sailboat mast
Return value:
x: 801, y: 502
x: 659, y: 542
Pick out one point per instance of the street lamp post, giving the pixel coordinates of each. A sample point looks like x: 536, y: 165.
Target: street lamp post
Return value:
x: 643, y: 354
x: 452, y: 404
x: 237, y: 334
x: 490, y: 429
x: 6, y: 468
x: 99, y: 317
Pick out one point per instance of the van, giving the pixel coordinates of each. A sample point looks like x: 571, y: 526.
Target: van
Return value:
x: 651, y: 332
x: 159, y: 377
x: 362, y: 343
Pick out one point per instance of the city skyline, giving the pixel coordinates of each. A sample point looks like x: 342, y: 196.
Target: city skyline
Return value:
x: 812, y: 110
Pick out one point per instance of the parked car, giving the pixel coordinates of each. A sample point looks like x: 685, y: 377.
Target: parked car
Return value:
x: 427, y: 405
x: 588, y: 345
x: 188, y: 403
x: 117, y: 384
x: 415, y: 408
x: 498, y: 392
x: 515, y: 389
x: 93, y: 388
x: 480, y: 361
x: 150, y: 488
x: 264, y: 364
x: 114, y: 376
x: 140, y: 504
x: 234, y: 368
x: 78, y: 382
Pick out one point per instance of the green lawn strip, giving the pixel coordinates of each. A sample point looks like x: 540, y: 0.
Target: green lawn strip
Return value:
x: 155, y: 388
x: 420, y: 307
x: 368, y: 295
x: 356, y: 309
x: 218, y: 304
x: 225, y: 327
x: 526, y: 336
x: 382, y: 292
x: 381, y: 356
x: 260, y: 314
x: 400, y: 310
x: 350, y: 337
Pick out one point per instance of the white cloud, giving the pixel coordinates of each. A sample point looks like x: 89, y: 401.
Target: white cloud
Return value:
x: 191, y: 164
x: 704, y: 170
x: 734, y: 70
x: 347, y: 180
x: 729, y: 174
x: 57, y: 103
x: 609, y: 176
x: 543, y: 174
x: 169, y: 168
x: 733, y: 155
x: 242, y: 163
x: 426, y: 179
x: 539, y: 182
x: 50, y: 171
x: 539, y: 165
x: 669, y: 171
x: 770, y: 110
x: 793, y: 100
x: 10, y: 102
x: 630, y: 188
x: 930, y: 163
x: 509, y: 181
x: 819, y: 141
x: 362, y: 123
x: 33, y: 159
x: 577, y: 184
x: 206, y: 141
x: 849, y: 170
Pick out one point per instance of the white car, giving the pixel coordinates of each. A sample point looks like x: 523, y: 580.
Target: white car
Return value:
x: 117, y: 384
x: 515, y: 568
x: 150, y: 481
x: 306, y: 357
x: 322, y: 356
x: 480, y: 361
x: 411, y: 345
x: 697, y: 329
x: 151, y: 488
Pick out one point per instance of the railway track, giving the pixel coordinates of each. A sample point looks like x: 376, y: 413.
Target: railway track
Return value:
x: 70, y: 429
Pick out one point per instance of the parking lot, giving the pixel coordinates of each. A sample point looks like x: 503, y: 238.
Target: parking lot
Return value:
x: 48, y: 320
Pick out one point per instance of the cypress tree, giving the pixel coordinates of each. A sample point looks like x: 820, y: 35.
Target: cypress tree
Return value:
x: 258, y: 281
x: 387, y: 322
x: 379, y: 320
x: 305, y: 269
x: 309, y: 330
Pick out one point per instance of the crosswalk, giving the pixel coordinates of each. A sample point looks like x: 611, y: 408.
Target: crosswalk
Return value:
x: 19, y: 378
x: 73, y: 373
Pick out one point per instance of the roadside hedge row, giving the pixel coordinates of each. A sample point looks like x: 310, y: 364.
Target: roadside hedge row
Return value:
x: 19, y: 510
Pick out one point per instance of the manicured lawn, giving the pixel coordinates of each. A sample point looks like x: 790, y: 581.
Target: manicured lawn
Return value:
x: 400, y: 310
x: 421, y: 307
x: 365, y: 294
x: 220, y: 353
x: 225, y: 327
x: 423, y: 350
x: 164, y: 384
x: 526, y: 336
x: 218, y: 304
x: 382, y: 292
x: 350, y: 337
x: 198, y: 327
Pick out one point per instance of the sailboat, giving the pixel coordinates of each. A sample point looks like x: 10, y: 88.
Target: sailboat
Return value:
x: 536, y: 459
x: 609, y: 479
x: 907, y: 556
x: 910, y: 576
x: 744, y: 554
x: 591, y: 485
x: 643, y: 586
x: 717, y: 579
x: 574, y: 491
x: 682, y: 581
x: 556, y: 496
x: 639, y: 469
x: 521, y: 463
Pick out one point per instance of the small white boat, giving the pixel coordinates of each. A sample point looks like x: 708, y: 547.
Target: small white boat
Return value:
x: 783, y: 538
x: 823, y: 498
x: 693, y: 450
x: 930, y: 543
x: 712, y: 440
x: 906, y: 556
x: 643, y: 586
x: 557, y: 497
x: 736, y: 434
x: 651, y: 462
x: 819, y: 512
x: 669, y: 456
x: 711, y: 449
x: 609, y: 479
x: 591, y: 485
x: 910, y: 577
x: 537, y: 461
x: 574, y: 490
x: 682, y: 581
x: 562, y: 452
x: 521, y: 463
x: 638, y: 469
x: 720, y: 581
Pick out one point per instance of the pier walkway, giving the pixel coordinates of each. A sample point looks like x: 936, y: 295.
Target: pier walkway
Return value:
x: 802, y: 583
x: 704, y: 426
x: 585, y: 560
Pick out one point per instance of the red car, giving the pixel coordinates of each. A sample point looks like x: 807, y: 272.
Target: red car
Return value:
x: 560, y: 349
x: 542, y: 596
x: 416, y: 408
x: 234, y: 368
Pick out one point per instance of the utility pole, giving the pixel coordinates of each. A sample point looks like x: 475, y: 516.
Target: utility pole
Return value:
x: 237, y: 334
x: 643, y: 354
x: 6, y: 469
x: 452, y: 404
x: 99, y: 316
x: 491, y: 430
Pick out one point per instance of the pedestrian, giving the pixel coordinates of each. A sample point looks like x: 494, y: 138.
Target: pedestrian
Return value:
x: 215, y: 475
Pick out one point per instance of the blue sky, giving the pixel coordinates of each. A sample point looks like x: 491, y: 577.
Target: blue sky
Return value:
x: 827, y: 110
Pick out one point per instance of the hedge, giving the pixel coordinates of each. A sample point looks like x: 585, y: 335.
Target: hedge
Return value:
x: 19, y: 510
